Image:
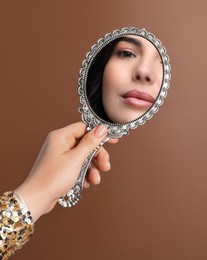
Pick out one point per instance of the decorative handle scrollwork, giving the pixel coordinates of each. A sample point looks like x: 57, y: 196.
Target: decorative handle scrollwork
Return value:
x: 73, y: 196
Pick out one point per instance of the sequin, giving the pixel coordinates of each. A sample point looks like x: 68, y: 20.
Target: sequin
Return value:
x: 16, y: 224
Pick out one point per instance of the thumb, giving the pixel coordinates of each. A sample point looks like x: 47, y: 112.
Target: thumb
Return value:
x: 90, y: 141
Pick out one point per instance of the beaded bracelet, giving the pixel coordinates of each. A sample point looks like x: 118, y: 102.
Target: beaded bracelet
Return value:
x: 16, y: 224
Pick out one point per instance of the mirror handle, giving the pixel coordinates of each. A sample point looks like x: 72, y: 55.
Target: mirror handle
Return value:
x: 73, y: 196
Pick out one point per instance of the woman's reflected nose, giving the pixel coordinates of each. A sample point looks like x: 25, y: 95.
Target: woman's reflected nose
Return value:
x: 144, y: 73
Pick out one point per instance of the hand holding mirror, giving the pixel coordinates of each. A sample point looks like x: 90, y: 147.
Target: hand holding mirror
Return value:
x: 122, y: 82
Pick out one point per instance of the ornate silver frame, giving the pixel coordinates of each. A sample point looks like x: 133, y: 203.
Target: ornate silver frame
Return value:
x: 91, y: 119
x: 88, y: 115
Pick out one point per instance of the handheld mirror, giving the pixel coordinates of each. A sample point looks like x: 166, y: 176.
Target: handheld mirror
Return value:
x: 122, y: 82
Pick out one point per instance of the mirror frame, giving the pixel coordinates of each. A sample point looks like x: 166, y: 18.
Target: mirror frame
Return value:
x: 88, y: 115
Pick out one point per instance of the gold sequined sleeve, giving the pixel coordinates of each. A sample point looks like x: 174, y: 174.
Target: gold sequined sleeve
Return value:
x: 16, y: 224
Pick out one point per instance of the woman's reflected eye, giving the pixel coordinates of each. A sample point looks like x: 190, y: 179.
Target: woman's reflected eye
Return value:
x: 125, y: 54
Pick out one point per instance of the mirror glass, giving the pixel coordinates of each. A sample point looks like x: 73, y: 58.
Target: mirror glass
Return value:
x: 123, y: 80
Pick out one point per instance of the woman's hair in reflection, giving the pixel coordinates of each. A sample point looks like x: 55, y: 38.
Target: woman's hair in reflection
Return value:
x: 94, y: 79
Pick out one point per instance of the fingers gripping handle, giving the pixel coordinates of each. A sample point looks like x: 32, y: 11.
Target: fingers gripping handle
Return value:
x: 73, y: 196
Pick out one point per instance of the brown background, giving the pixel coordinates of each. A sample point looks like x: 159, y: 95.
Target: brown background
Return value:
x: 153, y: 203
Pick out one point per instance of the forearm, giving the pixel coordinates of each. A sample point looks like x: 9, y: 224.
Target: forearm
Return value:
x: 54, y: 174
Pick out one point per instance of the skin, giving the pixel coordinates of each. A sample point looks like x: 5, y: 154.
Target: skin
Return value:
x: 133, y: 65
x: 59, y: 163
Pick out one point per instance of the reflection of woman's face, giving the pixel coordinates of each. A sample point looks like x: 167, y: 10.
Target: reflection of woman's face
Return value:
x: 131, y: 80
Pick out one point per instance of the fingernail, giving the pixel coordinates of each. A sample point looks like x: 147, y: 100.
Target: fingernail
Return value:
x: 108, y: 165
x: 100, y: 131
x: 86, y: 185
x: 98, y: 179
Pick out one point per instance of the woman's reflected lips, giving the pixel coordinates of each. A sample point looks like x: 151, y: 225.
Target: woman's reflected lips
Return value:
x: 138, y: 99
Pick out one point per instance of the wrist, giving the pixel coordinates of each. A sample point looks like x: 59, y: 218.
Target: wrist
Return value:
x: 35, y: 199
